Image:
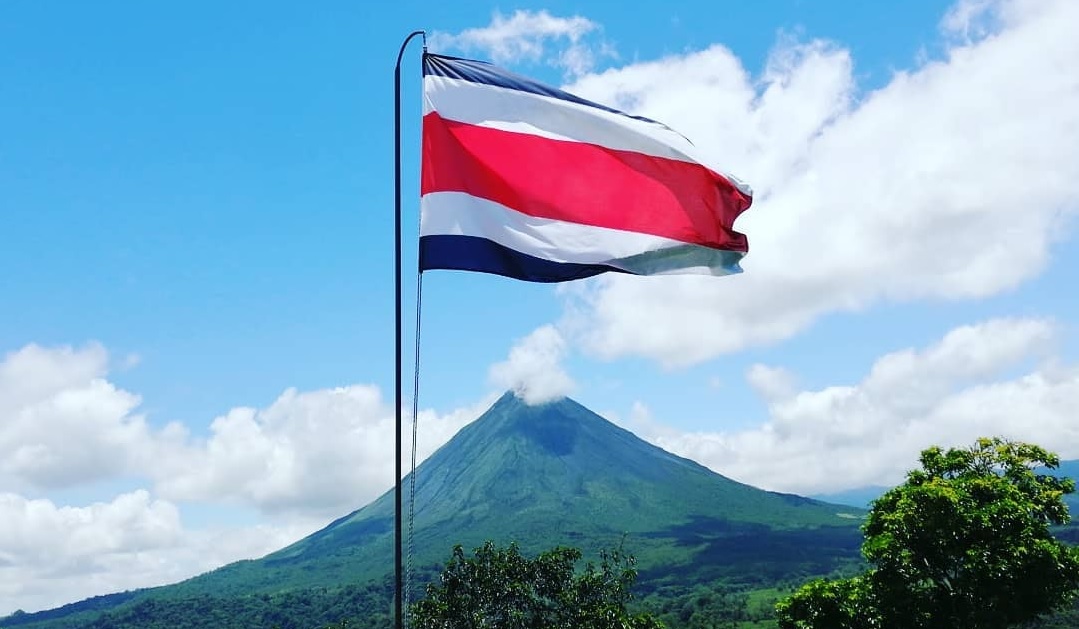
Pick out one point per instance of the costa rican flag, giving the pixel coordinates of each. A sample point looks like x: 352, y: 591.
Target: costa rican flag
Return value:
x: 527, y: 181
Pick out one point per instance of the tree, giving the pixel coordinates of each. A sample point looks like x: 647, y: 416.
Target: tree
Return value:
x: 498, y: 588
x: 964, y: 542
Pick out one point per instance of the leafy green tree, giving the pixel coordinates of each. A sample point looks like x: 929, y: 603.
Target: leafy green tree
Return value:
x: 704, y: 606
x: 964, y: 542
x: 498, y: 588
x: 838, y: 604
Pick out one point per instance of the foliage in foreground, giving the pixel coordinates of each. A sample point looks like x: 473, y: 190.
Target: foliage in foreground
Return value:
x: 363, y: 607
x: 498, y: 588
x: 964, y: 542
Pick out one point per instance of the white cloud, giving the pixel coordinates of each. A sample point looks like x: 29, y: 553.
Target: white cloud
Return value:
x: 534, y: 367
x: 61, y: 422
x: 305, y: 451
x: 530, y: 36
x: 870, y: 433
x: 770, y: 382
x: 968, y: 18
x: 950, y: 182
x: 324, y: 452
x: 314, y: 453
x: 38, y: 530
x: 51, y: 555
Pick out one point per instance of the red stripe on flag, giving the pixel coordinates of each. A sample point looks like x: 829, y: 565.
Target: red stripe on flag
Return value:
x: 583, y: 183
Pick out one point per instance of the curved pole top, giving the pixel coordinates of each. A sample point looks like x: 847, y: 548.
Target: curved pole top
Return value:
x: 404, y: 45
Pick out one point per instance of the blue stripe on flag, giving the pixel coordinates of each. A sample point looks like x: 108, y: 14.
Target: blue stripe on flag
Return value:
x: 488, y: 74
x: 472, y: 253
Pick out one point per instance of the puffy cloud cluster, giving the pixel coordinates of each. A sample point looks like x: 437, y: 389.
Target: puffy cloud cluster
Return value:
x: 305, y: 451
x: 63, y: 424
x: 534, y: 368
x: 870, y: 433
x: 533, y: 36
x: 39, y: 530
x: 952, y: 181
x: 320, y: 452
x: 61, y: 421
x: 51, y: 555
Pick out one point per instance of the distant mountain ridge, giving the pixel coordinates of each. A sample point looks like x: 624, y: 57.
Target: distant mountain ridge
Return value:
x: 860, y: 497
x: 546, y: 475
x: 863, y: 496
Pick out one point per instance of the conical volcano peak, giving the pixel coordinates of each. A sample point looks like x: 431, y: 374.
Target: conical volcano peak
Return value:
x: 558, y: 471
x: 512, y: 405
x: 522, y: 395
x: 508, y: 402
x: 555, y: 427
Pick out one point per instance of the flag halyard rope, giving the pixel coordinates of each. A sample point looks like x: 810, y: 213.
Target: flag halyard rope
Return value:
x: 415, y: 430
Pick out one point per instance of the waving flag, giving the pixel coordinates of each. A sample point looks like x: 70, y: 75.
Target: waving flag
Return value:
x: 527, y: 181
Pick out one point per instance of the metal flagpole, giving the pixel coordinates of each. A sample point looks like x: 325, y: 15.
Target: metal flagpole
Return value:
x: 399, y: 595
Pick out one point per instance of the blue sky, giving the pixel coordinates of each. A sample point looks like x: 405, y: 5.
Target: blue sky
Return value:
x: 196, y: 224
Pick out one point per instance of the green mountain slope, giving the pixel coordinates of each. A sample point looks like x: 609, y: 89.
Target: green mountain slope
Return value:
x: 548, y: 475
x: 560, y: 474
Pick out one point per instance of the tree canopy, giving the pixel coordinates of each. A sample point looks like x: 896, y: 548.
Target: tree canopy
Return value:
x: 498, y: 588
x: 964, y: 542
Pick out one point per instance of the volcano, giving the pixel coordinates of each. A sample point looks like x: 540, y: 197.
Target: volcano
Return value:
x: 540, y: 476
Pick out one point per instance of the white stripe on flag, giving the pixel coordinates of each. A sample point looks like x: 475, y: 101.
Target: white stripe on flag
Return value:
x: 525, y: 112
x: 460, y: 214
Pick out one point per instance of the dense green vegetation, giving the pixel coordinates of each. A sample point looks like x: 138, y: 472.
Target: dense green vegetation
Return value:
x: 499, y: 588
x: 361, y: 607
x: 964, y: 542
